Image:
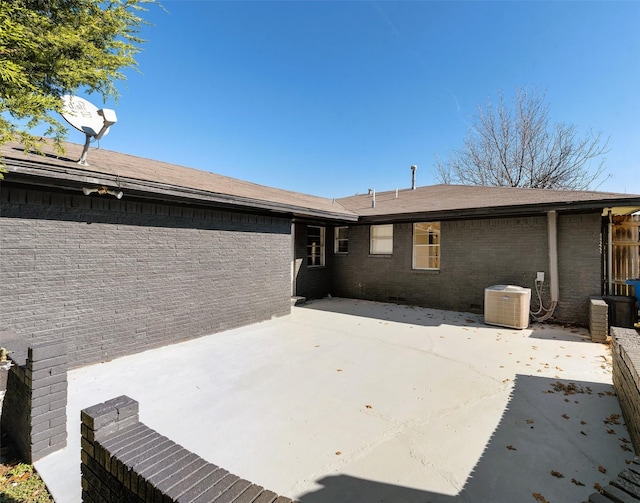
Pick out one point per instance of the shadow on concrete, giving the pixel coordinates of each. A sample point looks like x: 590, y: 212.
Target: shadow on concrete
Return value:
x: 397, y: 313
x: 555, y: 440
x: 559, y: 332
x: 427, y: 317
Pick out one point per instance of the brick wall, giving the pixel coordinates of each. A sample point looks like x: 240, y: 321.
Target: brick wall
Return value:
x: 34, y: 410
x: 124, y: 460
x: 476, y: 254
x: 626, y: 378
x: 579, y: 264
x: 113, y: 277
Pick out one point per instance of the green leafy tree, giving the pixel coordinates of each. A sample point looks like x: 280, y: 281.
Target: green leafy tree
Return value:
x: 518, y: 146
x: 52, y: 47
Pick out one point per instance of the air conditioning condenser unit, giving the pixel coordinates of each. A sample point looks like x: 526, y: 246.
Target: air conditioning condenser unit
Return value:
x: 507, y: 306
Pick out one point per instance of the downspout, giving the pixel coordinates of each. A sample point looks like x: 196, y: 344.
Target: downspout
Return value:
x: 552, y: 233
x: 610, y: 255
x: 552, y: 227
x: 293, y: 259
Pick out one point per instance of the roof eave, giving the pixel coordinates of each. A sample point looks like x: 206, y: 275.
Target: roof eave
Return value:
x: 74, y: 179
x: 505, y: 211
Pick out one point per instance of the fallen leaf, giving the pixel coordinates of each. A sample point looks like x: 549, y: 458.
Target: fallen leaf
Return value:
x: 602, y: 469
x: 565, y: 416
x: 511, y: 448
x: 577, y: 482
x: 368, y: 406
x: 611, y: 432
x: 625, y: 448
x: 583, y: 423
x: 338, y: 453
x: 597, y: 487
x: 557, y: 474
x: 339, y: 370
x: 612, y: 419
x: 539, y: 497
x: 529, y: 421
x: 583, y: 433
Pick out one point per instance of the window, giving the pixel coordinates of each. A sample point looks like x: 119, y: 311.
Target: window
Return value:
x: 341, y: 240
x: 315, y: 246
x: 426, y: 245
x: 381, y: 239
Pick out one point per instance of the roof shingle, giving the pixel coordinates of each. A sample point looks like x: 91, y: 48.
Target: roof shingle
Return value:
x: 434, y: 201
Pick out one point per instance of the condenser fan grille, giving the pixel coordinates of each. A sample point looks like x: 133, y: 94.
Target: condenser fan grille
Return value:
x: 507, y: 306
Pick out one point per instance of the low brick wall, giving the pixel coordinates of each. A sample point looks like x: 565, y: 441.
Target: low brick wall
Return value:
x: 626, y: 378
x: 124, y: 460
x: 34, y: 410
x: 624, y: 488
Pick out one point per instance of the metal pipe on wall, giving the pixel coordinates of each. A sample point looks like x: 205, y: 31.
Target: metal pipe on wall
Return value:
x: 552, y: 228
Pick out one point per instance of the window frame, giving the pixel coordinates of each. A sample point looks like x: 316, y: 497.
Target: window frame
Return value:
x: 337, y: 240
x: 322, y: 245
x: 428, y: 245
x: 376, y: 241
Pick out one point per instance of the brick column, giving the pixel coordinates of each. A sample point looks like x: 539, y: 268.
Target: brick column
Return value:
x: 34, y: 411
x: 102, y: 475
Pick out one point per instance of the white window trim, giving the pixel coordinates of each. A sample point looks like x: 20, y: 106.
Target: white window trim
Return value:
x: 337, y: 240
x: 321, y: 246
x: 414, y: 246
x: 373, y: 238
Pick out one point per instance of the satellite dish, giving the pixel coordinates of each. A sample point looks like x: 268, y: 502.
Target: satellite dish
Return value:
x: 88, y: 119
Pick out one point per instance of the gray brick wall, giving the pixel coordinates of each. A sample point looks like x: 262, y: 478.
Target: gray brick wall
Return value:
x: 124, y: 460
x: 34, y: 410
x: 476, y: 254
x: 114, y: 277
x: 626, y: 378
x: 579, y: 264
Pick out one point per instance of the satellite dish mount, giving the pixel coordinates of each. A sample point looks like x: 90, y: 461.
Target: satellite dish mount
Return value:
x: 88, y: 119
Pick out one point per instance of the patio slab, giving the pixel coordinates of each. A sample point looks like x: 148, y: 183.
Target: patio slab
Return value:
x: 356, y: 401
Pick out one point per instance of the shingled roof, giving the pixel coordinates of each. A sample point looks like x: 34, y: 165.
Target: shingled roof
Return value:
x: 145, y: 176
x: 152, y: 179
x: 462, y: 201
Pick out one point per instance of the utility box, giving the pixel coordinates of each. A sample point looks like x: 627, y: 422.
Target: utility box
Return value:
x: 507, y: 306
x: 623, y: 310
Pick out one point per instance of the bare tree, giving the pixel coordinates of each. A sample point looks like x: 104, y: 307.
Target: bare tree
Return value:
x: 518, y: 147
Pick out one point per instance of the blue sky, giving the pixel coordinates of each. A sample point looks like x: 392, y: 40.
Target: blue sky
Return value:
x: 333, y: 98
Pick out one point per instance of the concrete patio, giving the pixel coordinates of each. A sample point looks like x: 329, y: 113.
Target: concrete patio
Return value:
x: 355, y: 401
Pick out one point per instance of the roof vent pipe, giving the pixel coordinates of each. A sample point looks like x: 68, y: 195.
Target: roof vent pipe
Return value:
x: 413, y: 177
x: 373, y: 198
